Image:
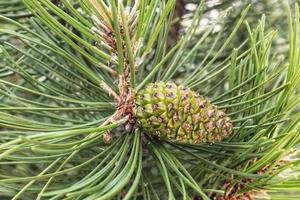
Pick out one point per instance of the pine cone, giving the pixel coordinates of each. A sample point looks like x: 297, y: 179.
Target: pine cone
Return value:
x: 176, y: 113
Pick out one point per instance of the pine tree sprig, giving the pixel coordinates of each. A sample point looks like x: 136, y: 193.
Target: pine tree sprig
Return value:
x: 71, y: 74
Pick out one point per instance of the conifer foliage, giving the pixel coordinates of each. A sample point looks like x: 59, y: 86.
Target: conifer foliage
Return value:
x: 97, y: 103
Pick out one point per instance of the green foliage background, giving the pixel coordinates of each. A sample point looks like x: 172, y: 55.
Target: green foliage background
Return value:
x: 54, y: 108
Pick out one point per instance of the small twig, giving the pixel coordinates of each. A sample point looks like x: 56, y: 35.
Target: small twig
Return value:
x: 115, y: 38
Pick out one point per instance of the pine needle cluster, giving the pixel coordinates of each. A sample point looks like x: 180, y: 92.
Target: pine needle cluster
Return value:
x: 72, y: 74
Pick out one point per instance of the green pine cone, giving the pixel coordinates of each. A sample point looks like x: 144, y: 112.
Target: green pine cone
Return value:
x: 176, y: 113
